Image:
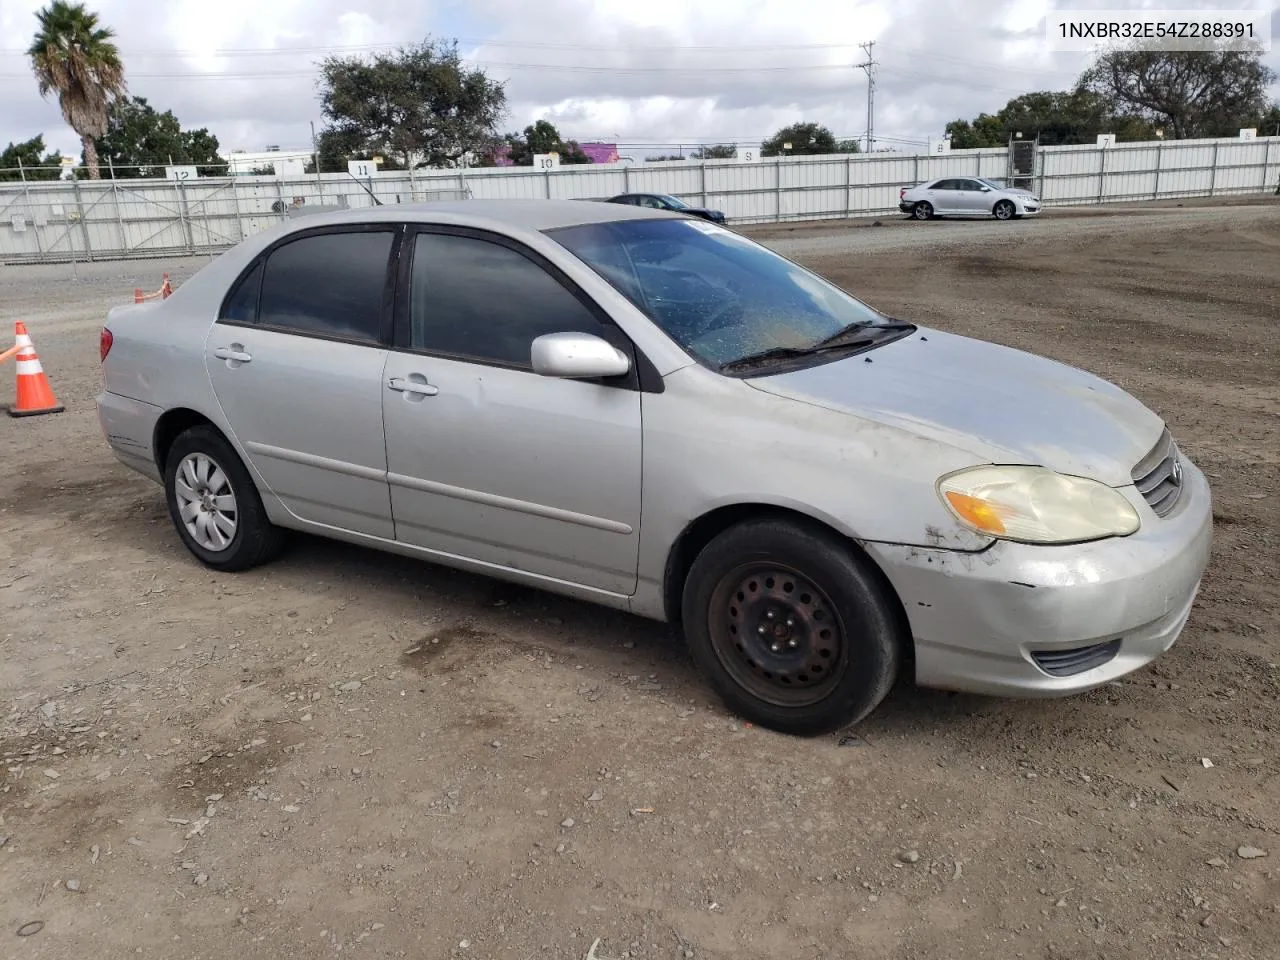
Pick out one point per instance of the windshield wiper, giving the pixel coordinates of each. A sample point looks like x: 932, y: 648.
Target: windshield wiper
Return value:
x: 868, y: 330
x: 767, y: 356
x: 842, y: 339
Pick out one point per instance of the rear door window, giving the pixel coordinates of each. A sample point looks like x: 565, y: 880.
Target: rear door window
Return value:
x: 331, y: 285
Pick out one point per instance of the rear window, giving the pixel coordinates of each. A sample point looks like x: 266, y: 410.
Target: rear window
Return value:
x: 330, y: 285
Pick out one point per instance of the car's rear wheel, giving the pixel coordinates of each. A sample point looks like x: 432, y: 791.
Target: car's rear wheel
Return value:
x: 1004, y: 210
x: 922, y: 210
x: 794, y: 630
x: 214, y: 504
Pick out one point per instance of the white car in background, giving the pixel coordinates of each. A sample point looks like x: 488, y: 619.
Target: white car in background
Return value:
x: 967, y: 197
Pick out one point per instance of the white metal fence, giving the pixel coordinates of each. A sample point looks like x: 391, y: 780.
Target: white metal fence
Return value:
x: 98, y: 220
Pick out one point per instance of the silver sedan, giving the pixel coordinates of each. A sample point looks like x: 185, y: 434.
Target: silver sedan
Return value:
x: 653, y: 413
x: 967, y: 197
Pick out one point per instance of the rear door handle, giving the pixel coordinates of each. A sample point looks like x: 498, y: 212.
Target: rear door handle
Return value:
x: 231, y: 353
x: 411, y: 386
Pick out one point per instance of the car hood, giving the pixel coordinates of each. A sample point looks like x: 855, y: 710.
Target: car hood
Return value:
x: 1000, y: 404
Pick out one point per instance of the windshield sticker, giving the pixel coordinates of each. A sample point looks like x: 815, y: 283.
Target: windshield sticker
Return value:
x: 705, y: 227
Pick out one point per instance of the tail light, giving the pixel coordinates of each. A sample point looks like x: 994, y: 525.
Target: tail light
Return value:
x: 902, y: 192
x: 104, y: 343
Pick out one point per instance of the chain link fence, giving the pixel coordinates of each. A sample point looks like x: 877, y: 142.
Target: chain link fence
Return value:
x: 57, y: 220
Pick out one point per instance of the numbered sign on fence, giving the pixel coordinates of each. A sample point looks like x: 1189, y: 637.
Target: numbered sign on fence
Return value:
x: 1106, y: 139
x: 362, y: 169
x: 1248, y: 133
x: 937, y: 147
x: 746, y: 154
x: 546, y: 161
x: 180, y: 173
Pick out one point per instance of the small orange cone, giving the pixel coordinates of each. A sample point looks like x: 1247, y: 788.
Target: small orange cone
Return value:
x: 35, y: 396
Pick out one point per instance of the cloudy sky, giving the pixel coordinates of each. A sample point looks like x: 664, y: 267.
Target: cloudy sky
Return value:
x: 653, y: 72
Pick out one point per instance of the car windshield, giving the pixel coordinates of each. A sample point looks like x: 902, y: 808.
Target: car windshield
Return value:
x: 671, y: 201
x: 719, y: 295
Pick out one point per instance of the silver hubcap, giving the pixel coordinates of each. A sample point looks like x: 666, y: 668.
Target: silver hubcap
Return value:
x: 206, y: 502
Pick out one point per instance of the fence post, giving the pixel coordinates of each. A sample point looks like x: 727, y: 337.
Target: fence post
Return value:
x: 915, y: 170
x: 184, y: 213
x: 626, y: 178
x: 1213, y: 170
x: 848, y: 186
x: 115, y: 200
x: 84, y: 228
x: 547, y: 174
x: 235, y: 203
x: 703, y: 170
x: 1102, y: 174
x: 26, y: 208
x: 777, y: 188
x: 1155, y: 194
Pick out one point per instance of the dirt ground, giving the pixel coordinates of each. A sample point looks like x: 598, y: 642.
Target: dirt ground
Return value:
x: 351, y: 754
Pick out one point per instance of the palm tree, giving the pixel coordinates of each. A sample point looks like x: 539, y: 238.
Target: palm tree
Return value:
x: 74, y: 57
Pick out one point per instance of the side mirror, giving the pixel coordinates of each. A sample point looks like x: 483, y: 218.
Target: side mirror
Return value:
x: 985, y: 189
x: 577, y: 356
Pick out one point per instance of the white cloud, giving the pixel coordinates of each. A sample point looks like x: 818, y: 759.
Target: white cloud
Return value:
x: 656, y: 70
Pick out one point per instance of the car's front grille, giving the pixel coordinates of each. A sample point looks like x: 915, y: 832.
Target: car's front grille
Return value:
x: 1158, y: 476
x: 1068, y: 663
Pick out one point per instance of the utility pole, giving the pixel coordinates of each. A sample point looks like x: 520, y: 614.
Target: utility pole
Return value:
x: 868, y: 66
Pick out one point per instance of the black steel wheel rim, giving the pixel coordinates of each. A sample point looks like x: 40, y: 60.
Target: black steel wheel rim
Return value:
x: 778, y: 634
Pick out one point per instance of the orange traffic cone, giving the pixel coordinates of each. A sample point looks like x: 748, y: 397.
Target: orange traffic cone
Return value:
x: 35, y: 396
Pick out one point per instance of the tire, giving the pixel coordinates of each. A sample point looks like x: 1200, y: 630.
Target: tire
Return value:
x: 836, y: 635
x: 1004, y: 210
x: 253, y: 539
x: 922, y: 211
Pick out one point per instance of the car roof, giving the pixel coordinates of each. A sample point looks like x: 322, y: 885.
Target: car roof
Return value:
x: 517, y: 214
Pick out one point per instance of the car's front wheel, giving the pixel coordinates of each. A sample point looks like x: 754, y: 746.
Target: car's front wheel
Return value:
x: 1005, y: 210
x: 795, y: 631
x: 922, y: 211
x: 214, y: 504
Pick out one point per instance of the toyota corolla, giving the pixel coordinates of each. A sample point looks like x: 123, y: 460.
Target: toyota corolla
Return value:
x: 653, y: 413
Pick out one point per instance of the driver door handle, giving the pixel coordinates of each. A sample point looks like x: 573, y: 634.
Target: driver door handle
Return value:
x: 408, y: 386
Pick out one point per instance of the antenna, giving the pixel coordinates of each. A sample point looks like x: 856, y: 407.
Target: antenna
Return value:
x: 868, y: 66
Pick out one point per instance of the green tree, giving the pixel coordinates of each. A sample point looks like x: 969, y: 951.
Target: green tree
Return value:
x: 27, y: 160
x: 1055, y: 117
x: 140, y: 142
x: 848, y: 146
x: 805, y: 139
x: 719, y: 151
x: 417, y: 106
x: 1268, y: 124
x: 1191, y: 93
x: 74, y: 57
x: 542, y: 137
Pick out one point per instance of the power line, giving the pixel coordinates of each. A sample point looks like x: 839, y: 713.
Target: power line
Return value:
x: 869, y: 67
x: 556, y: 67
x: 470, y: 41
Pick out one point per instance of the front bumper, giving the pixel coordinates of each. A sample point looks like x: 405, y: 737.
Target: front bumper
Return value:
x: 980, y: 620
